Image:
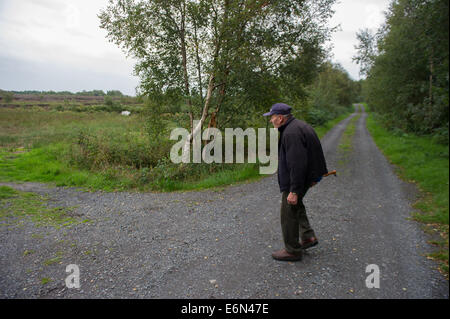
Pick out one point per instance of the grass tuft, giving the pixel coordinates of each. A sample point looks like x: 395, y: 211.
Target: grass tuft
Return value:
x: 18, y: 206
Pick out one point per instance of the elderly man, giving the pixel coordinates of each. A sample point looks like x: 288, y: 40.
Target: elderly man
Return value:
x: 301, y: 164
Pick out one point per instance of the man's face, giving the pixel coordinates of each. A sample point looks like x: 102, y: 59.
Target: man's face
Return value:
x: 277, y: 120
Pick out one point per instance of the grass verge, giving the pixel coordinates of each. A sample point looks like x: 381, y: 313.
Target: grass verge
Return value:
x: 422, y: 161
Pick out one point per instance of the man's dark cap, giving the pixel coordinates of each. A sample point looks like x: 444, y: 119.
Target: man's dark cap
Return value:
x: 279, y: 108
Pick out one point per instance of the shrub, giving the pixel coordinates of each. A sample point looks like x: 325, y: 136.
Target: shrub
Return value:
x: 316, y: 117
x: 441, y: 135
x: 101, y: 149
x: 8, y: 97
x: 111, y: 105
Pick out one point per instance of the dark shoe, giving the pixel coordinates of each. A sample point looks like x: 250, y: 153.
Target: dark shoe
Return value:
x: 310, y: 242
x: 285, y: 256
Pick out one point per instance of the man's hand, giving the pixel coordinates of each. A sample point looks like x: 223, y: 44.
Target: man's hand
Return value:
x: 292, y: 199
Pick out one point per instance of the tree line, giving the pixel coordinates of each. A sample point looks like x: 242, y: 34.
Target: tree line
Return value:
x: 406, y: 67
x: 83, y: 93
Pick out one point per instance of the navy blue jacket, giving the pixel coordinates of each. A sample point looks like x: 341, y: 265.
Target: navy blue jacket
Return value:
x: 300, y: 157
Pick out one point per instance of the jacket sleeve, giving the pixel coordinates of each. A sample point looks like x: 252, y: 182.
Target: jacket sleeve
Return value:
x: 297, y: 162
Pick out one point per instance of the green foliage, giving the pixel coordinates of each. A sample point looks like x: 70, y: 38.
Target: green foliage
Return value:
x: 7, y: 192
x: 155, y: 125
x: 108, y: 101
x: 366, y: 51
x: 114, y: 93
x: 106, y: 151
x: 330, y: 95
x: 7, y: 97
x: 92, y: 93
x: 97, y: 151
x: 51, y: 163
x: 406, y: 64
x: 246, y: 54
x: 167, y: 176
x: 112, y: 105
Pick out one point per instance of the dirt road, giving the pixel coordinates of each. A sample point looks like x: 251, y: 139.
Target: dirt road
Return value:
x: 218, y: 244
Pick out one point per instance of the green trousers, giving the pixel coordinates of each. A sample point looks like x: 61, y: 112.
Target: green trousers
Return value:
x: 293, y: 223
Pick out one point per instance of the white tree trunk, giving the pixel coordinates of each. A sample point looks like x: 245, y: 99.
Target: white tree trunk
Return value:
x: 196, y: 131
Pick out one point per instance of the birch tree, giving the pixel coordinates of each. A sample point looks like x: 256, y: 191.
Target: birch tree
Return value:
x: 215, y: 51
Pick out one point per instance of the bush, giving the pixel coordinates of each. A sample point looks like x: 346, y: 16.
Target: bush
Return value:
x: 111, y: 105
x: 441, y: 135
x: 8, y: 97
x: 317, y: 117
x: 154, y: 124
x: 101, y: 149
x: 108, y: 101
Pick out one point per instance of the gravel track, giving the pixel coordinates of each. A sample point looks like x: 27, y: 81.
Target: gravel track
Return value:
x: 218, y: 243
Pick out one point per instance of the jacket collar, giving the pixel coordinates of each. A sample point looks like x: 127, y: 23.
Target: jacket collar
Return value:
x: 283, y: 127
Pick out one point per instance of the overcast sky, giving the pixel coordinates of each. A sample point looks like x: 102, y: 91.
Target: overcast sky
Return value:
x: 58, y: 45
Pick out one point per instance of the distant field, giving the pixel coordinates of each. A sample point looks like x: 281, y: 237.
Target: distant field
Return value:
x: 77, y: 103
x: 94, y: 146
x: 33, y: 98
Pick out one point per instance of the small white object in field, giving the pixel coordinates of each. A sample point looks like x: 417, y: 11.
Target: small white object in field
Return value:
x: 126, y: 113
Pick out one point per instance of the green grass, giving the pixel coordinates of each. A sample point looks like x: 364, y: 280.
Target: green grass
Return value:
x: 54, y: 260
x: 28, y: 252
x: 7, y: 192
x: 345, y: 144
x: 31, y: 128
x: 17, y: 206
x: 322, y: 130
x: 426, y: 163
x: 242, y: 173
x: 42, y: 165
x: 38, y: 145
